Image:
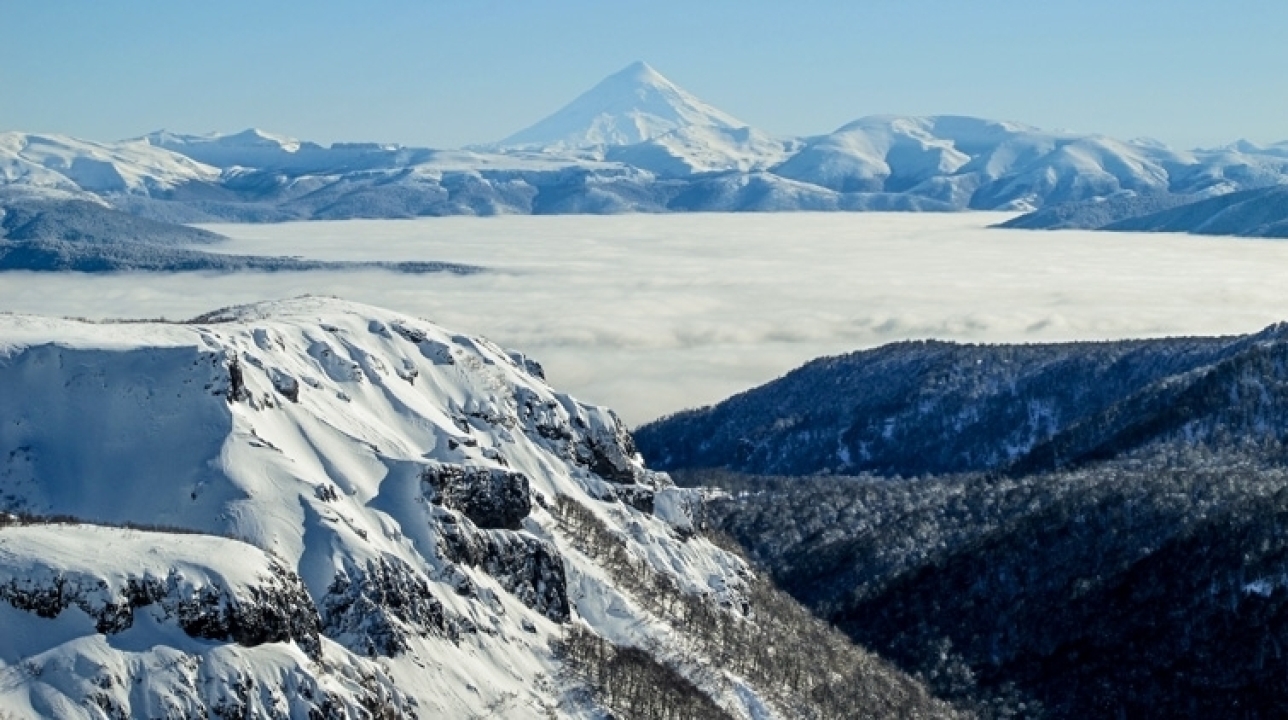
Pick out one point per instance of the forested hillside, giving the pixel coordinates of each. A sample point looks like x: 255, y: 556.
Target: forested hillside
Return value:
x: 1153, y: 587
x: 922, y: 407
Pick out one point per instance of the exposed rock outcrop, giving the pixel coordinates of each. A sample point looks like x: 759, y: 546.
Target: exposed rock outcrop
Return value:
x: 527, y: 567
x: 374, y: 609
x: 491, y: 498
x: 274, y: 607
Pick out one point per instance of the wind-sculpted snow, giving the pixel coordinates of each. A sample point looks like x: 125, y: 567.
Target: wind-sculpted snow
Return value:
x: 392, y: 491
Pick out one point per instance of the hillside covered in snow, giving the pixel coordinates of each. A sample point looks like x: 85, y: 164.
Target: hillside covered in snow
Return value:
x: 317, y: 509
x: 637, y: 142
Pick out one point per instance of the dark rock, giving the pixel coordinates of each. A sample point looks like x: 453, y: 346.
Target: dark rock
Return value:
x: 279, y: 610
x: 527, y: 567
x: 637, y: 496
x: 373, y: 610
x: 236, y: 382
x: 490, y: 498
x: 287, y: 386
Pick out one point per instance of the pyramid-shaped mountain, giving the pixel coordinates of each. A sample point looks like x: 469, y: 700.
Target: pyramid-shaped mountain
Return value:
x: 631, y: 106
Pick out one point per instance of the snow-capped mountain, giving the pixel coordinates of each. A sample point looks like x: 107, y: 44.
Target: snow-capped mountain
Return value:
x: 633, y: 105
x: 704, y: 149
x: 639, y: 118
x: 636, y: 142
x: 375, y: 517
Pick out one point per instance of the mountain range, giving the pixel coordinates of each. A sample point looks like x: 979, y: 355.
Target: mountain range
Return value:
x: 636, y: 142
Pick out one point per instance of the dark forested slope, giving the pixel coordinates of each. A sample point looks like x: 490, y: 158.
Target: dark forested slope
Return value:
x: 934, y: 407
x: 1063, y: 530
x: 1155, y: 587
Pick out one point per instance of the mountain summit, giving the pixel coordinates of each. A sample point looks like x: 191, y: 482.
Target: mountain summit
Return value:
x: 634, y: 105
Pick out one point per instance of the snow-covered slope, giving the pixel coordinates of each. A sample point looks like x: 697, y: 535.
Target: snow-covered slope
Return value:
x: 134, y: 623
x: 980, y: 163
x: 257, y: 149
x: 704, y: 149
x: 65, y: 163
x: 633, y: 105
x: 404, y: 479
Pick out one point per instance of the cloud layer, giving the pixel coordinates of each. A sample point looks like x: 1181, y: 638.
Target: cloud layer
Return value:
x: 652, y: 314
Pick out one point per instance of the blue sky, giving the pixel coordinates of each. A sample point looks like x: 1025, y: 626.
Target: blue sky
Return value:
x: 445, y: 73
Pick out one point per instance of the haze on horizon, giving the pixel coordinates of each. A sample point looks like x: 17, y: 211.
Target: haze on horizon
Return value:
x: 452, y: 74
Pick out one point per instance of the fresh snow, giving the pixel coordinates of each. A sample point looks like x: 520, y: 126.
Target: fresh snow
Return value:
x: 313, y: 458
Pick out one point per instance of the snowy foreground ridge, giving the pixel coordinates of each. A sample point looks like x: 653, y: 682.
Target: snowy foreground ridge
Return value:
x: 372, y: 516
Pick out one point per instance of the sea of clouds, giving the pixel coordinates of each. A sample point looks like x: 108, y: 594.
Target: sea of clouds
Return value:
x: 650, y: 314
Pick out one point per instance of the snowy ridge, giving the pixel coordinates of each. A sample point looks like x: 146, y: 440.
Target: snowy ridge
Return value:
x: 406, y: 474
x: 62, y: 163
x: 635, y: 142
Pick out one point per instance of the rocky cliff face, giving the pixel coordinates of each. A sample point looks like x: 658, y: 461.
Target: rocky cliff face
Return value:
x: 125, y: 578
x: 369, y: 512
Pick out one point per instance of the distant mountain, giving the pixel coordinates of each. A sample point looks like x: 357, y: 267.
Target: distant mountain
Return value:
x: 980, y: 164
x: 1096, y: 213
x: 64, y: 163
x: 637, y: 142
x: 255, y: 149
x: 31, y: 219
x: 639, y: 118
x: 934, y: 407
x: 1261, y: 212
x: 704, y: 149
x: 52, y: 233
x: 631, y: 106
x: 1250, y: 213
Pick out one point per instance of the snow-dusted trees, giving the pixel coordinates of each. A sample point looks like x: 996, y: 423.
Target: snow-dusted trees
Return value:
x: 806, y: 667
x: 631, y: 681
x: 1155, y: 584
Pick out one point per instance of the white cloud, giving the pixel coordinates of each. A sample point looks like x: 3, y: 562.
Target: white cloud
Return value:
x: 651, y: 314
